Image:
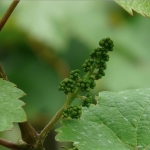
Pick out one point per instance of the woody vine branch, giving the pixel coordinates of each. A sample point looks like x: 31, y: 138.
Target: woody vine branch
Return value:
x: 8, y: 13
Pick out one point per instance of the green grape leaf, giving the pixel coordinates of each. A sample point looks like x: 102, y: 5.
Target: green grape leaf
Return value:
x: 10, y: 106
x: 140, y: 6
x: 119, y: 121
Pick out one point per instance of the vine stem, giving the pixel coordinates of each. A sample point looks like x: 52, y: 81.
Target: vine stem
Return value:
x: 70, y: 98
x: 2, y: 73
x: 8, y: 144
x: 8, y: 13
x: 50, y: 125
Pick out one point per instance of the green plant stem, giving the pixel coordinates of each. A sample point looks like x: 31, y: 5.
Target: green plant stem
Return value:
x: 8, y: 13
x: 28, y: 133
x: 70, y: 98
x: 80, y: 97
x: 2, y: 73
x: 49, y: 126
x: 9, y: 144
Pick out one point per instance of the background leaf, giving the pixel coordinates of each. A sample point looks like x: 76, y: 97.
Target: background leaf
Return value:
x: 120, y: 120
x: 10, y: 106
x: 140, y: 6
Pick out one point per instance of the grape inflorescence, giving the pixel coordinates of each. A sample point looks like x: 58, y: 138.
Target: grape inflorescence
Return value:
x: 94, y: 68
x: 86, y: 100
x: 73, y: 112
x: 67, y: 85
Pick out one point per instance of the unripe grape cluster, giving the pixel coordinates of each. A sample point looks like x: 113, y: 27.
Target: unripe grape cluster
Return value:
x: 67, y: 85
x: 107, y: 43
x: 86, y: 84
x: 74, y: 74
x: 100, y: 56
x: 97, y: 62
x: 87, y: 100
x: 99, y: 74
x: 88, y: 64
x: 94, y: 68
x: 73, y: 112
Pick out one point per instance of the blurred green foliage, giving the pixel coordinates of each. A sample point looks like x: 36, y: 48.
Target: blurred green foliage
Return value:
x: 43, y: 40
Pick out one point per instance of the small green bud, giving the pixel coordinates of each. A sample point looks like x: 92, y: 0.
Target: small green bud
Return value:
x: 82, y: 85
